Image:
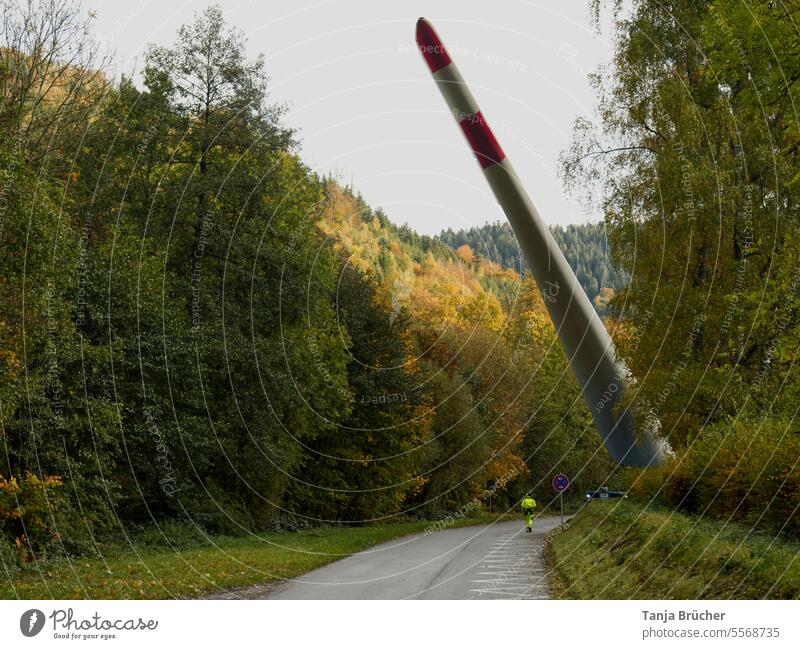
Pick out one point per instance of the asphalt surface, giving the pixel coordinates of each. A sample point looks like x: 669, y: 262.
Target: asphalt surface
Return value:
x: 497, y: 561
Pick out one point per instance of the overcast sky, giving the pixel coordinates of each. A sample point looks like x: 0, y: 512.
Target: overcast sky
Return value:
x: 367, y: 108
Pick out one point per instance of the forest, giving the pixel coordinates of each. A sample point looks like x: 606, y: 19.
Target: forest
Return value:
x: 584, y: 245
x: 199, y: 330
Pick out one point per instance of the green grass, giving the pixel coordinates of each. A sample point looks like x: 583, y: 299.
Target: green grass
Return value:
x: 159, y: 573
x: 620, y: 550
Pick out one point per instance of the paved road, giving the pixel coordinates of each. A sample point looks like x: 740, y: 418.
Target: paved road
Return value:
x: 498, y: 561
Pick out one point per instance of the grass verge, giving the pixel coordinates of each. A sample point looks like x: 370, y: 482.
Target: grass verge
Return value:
x: 161, y: 573
x: 620, y: 550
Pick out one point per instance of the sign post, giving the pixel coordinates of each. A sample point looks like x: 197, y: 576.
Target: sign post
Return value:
x: 560, y: 484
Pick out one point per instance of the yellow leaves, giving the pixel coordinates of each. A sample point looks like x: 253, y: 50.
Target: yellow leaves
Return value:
x: 507, y: 464
x: 11, y: 361
x: 27, y: 500
x: 465, y: 254
x: 603, y: 298
x: 418, y: 485
x: 437, y: 309
x: 8, y: 356
x: 539, y: 326
x: 437, y: 292
x: 482, y: 310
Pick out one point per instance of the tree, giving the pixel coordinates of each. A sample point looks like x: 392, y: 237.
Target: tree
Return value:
x: 51, y: 74
x: 697, y: 149
x: 204, y: 418
x: 209, y: 80
x: 364, y: 468
x: 57, y: 417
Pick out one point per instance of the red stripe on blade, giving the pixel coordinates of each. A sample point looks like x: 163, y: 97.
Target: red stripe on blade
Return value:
x: 482, y: 140
x: 430, y: 45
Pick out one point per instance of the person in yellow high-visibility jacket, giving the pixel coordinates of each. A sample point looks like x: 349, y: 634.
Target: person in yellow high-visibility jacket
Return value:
x: 528, y: 504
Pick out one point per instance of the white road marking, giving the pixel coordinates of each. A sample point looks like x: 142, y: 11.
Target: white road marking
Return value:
x: 511, y: 568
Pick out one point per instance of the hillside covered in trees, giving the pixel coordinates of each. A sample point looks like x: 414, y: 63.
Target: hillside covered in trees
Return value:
x: 695, y: 158
x: 585, y: 246
x: 198, y: 330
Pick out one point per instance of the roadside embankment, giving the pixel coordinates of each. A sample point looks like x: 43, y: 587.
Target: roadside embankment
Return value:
x: 622, y: 550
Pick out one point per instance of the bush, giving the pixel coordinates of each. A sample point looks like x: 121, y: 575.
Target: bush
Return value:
x: 25, y: 512
x: 743, y: 470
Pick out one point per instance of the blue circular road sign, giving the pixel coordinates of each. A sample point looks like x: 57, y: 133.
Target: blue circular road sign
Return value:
x: 560, y: 482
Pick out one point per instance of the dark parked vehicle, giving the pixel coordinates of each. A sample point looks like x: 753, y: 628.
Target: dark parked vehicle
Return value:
x: 603, y: 492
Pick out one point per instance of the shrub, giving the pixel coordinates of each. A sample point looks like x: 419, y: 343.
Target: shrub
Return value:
x: 25, y: 512
x: 742, y: 470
